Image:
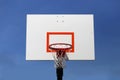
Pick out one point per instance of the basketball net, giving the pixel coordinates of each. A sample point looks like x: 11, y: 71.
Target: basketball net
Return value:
x: 60, y: 57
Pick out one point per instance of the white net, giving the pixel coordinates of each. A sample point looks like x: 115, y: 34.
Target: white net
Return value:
x: 60, y: 57
x: 60, y: 61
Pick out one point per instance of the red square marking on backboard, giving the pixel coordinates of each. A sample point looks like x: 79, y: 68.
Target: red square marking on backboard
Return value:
x: 59, y: 33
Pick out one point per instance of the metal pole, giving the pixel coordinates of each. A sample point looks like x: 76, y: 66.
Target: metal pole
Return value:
x: 59, y: 72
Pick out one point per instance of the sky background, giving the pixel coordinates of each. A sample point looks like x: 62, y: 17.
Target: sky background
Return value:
x: 13, y: 65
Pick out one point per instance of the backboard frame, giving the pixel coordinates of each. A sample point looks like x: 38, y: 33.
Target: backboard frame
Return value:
x: 59, y: 33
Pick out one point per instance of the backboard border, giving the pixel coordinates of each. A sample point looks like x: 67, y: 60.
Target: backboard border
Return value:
x: 59, y: 33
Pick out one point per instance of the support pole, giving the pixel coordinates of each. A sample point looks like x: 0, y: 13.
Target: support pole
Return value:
x: 59, y: 72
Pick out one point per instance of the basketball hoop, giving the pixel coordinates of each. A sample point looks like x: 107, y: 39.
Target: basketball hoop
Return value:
x: 60, y: 49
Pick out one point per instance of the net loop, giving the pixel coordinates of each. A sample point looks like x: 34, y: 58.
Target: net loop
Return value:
x: 61, y: 55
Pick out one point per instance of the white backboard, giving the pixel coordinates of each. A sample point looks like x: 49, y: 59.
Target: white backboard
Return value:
x: 82, y: 25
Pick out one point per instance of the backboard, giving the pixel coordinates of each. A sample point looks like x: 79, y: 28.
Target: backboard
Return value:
x: 45, y: 29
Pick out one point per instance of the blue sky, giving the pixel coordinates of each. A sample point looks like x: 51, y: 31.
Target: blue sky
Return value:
x: 13, y: 65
